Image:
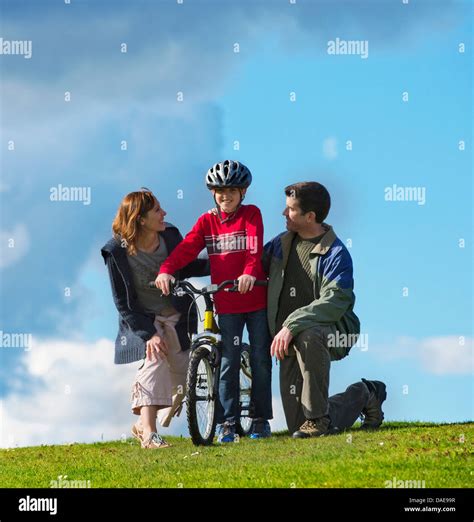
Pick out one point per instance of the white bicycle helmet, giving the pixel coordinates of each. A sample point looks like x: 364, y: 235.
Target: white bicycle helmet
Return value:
x: 228, y: 173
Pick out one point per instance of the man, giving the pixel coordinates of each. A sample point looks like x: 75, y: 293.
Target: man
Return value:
x: 311, y: 317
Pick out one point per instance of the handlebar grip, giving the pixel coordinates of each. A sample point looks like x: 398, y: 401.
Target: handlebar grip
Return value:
x: 236, y: 289
x: 151, y: 284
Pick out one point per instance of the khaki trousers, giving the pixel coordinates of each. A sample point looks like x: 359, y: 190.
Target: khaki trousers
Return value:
x: 304, y: 383
x: 162, y: 382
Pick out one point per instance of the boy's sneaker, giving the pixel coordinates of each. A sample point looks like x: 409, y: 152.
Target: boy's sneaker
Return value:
x: 260, y: 429
x: 226, y: 432
x: 373, y: 414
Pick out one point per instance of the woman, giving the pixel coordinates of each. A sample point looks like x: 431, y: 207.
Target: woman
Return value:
x: 152, y: 328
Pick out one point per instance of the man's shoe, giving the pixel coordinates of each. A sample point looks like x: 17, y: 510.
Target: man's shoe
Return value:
x: 226, y: 432
x: 373, y: 414
x: 313, y: 428
x: 260, y: 429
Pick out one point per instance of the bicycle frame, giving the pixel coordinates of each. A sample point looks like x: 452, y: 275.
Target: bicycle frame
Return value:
x: 209, y: 340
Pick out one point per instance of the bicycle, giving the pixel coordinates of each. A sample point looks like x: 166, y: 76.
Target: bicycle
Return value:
x: 202, y: 381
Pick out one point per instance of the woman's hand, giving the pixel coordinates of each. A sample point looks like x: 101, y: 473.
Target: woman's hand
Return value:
x: 246, y: 283
x: 163, y: 282
x: 156, y: 346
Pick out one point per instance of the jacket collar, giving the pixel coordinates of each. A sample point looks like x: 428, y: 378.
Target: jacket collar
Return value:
x: 326, y: 242
x: 321, y: 248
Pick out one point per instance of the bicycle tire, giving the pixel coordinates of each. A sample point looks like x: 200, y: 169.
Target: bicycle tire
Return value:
x: 193, y: 381
x: 244, y: 425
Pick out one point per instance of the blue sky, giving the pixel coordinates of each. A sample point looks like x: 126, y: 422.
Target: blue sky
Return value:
x: 413, y: 341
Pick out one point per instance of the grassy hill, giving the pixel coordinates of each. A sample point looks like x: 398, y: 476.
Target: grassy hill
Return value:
x: 438, y: 454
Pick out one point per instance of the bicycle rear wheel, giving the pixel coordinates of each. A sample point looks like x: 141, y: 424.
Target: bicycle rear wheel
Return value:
x: 245, y: 421
x: 200, y: 399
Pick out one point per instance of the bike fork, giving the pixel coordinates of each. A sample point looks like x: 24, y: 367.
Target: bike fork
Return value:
x: 217, y: 373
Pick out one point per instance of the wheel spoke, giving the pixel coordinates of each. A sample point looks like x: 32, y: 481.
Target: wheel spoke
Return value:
x: 245, y: 378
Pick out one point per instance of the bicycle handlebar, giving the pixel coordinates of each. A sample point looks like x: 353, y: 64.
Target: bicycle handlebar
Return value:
x: 209, y: 289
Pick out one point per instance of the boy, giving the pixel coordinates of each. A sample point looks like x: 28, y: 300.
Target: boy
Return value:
x: 233, y: 236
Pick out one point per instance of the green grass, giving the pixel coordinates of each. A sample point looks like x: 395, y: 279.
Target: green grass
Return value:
x: 439, y: 454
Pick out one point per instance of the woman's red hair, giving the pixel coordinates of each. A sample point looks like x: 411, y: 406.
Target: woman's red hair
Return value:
x: 126, y: 224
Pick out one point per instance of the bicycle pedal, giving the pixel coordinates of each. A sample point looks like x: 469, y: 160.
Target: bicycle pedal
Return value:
x: 179, y: 409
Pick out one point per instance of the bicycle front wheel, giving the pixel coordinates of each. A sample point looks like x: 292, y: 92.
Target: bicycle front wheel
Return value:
x: 200, y: 399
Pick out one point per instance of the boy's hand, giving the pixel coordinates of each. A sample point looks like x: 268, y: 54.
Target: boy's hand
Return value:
x: 246, y: 283
x: 163, y: 282
x: 281, y: 341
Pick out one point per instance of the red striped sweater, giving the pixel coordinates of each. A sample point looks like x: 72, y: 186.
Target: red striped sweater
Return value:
x: 234, y: 247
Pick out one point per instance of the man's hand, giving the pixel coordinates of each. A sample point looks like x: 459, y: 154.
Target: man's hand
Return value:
x: 163, y: 283
x: 156, y: 347
x: 246, y: 283
x: 280, y: 343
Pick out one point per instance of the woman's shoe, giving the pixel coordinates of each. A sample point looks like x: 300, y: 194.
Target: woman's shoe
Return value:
x: 154, y: 441
x: 137, y: 432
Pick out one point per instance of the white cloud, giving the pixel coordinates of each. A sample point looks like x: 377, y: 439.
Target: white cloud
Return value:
x: 82, y: 397
x: 447, y: 355
x: 15, y: 244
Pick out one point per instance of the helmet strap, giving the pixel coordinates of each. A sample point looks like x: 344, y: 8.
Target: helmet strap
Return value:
x: 231, y: 215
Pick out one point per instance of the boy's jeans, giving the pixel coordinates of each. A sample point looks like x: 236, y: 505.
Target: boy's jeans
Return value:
x: 231, y: 326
